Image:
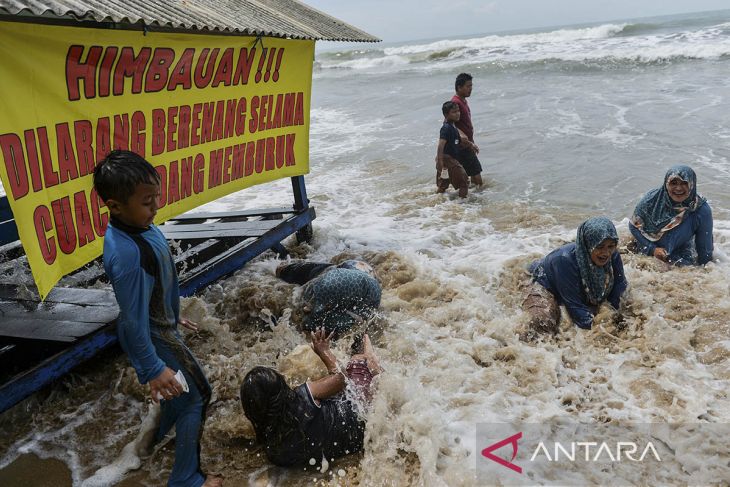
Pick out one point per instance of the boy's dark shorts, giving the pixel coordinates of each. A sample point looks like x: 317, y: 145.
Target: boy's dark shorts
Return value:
x: 470, y: 163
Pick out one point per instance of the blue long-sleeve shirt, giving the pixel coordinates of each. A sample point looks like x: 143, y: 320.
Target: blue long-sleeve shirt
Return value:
x: 678, y: 241
x: 142, y: 271
x: 558, y: 273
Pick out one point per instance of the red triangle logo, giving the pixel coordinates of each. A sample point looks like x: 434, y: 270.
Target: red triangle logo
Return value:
x: 487, y: 452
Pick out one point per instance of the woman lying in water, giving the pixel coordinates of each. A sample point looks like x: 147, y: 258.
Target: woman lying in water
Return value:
x: 580, y: 275
x: 668, y: 219
x: 335, y: 297
x: 314, y: 421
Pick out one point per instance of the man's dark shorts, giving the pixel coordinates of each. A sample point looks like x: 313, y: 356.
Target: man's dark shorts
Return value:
x: 470, y: 162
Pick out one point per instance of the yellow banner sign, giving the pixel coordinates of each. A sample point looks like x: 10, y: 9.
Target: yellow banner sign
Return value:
x: 213, y: 114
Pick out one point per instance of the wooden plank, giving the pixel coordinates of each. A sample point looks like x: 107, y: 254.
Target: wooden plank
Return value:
x: 87, y: 297
x: 84, y: 277
x: 42, y: 329
x: 221, y: 226
x: 228, y: 219
x: 70, y: 295
x: 234, y: 214
x: 9, y: 265
x: 11, y: 251
x: 56, y: 312
x: 253, y: 232
x: 9, y: 292
x: 236, y: 233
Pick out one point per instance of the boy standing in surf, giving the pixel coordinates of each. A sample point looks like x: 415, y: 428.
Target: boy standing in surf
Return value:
x: 448, y: 168
x: 139, y: 264
x: 468, y: 153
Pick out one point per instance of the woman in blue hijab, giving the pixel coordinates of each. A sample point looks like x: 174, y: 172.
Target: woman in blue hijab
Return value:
x: 579, y: 275
x: 334, y: 297
x: 669, y: 218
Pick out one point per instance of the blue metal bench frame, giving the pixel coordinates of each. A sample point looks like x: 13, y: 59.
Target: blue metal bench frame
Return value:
x: 223, y: 264
x: 8, y: 230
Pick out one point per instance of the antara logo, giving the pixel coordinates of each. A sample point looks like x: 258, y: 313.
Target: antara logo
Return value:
x: 593, y: 451
x: 487, y: 452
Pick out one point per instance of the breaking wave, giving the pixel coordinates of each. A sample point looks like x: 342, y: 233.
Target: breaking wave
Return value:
x: 607, y: 45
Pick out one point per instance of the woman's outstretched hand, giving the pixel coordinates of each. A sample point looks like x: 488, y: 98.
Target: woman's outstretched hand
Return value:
x: 321, y: 341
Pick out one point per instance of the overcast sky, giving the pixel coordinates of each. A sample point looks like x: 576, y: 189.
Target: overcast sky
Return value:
x: 401, y: 20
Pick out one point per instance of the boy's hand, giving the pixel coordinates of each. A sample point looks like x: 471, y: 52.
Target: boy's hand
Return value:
x: 475, y: 148
x: 190, y: 325
x: 165, y: 385
x: 321, y: 341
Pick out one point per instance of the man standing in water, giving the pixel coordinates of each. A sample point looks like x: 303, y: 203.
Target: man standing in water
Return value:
x: 468, y: 153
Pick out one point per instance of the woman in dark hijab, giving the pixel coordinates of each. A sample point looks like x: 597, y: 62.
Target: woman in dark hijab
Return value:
x: 334, y: 297
x: 668, y: 219
x: 579, y: 275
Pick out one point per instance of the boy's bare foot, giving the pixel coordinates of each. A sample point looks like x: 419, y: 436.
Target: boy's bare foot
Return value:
x: 211, y: 481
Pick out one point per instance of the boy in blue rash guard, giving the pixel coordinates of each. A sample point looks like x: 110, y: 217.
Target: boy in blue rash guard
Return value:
x: 580, y: 275
x: 139, y: 264
x: 669, y: 218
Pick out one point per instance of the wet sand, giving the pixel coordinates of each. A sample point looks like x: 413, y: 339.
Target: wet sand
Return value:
x: 30, y: 470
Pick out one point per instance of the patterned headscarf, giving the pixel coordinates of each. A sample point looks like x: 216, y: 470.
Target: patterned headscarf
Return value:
x: 360, y: 266
x: 339, y: 298
x: 657, y: 213
x: 597, y: 281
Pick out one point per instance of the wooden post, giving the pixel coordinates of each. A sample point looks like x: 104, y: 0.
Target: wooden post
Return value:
x: 301, y: 203
x: 300, y: 193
